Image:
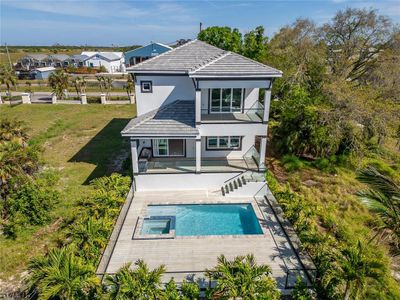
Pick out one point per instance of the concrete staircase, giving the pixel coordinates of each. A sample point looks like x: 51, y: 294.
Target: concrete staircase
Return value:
x: 243, y: 184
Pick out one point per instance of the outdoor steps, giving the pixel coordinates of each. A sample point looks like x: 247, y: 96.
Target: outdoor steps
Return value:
x: 233, y: 185
x: 247, y: 184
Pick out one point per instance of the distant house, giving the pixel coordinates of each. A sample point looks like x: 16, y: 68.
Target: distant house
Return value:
x: 31, y: 61
x: 77, y: 60
x: 42, y: 73
x: 57, y: 60
x: 112, y: 61
x: 138, y: 55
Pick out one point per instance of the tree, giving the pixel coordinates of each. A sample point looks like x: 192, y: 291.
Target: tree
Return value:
x: 222, y: 37
x: 137, y: 283
x: 79, y: 84
x: 7, y: 77
x: 383, y: 198
x: 58, y: 81
x: 242, y: 278
x: 354, y: 39
x: 357, y: 268
x: 254, y: 44
x: 129, y: 86
x: 61, y: 275
x: 90, y: 236
x: 13, y: 131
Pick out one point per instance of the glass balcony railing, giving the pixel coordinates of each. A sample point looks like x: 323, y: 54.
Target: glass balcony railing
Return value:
x: 252, y: 114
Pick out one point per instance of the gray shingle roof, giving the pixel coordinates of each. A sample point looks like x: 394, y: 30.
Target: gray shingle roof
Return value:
x: 185, y: 58
x: 233, y: 64
x: 174, y: 119
x: 198, y: 58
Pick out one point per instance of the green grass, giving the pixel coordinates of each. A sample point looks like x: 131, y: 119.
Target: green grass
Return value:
x: 80, y: 143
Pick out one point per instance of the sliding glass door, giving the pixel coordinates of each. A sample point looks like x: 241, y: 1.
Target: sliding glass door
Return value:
x: 168, y: 147
x: 226, y: 100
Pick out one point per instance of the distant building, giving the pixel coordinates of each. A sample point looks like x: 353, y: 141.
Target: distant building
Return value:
x: 32, y: 61
x: 77, y: 60
x: 42, y: 73
x: 138, y: 55
x: 57, y: 60
x: 112, y: 61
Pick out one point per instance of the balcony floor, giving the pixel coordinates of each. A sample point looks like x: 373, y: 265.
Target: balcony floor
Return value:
x: 208, y: 165
x: 236, y: 117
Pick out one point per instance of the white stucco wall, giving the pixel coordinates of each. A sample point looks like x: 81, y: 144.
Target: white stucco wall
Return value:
x: 111, y: 66
x: 161, y: 182
x: 166, y: 89
x: 191, y: 148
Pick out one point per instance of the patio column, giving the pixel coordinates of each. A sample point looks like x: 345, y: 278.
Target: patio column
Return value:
x: 198, y: 106
x: 198, y: 155
x: 134, y: 153
x: 267, y: 103
x: 263, y: 150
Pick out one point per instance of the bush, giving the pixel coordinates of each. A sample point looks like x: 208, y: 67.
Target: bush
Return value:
x: 32, y: 202
x: 326, y: 165
x: 292, y: 163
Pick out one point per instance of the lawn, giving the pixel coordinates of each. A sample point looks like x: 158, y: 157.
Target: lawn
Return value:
x: 80, y: 143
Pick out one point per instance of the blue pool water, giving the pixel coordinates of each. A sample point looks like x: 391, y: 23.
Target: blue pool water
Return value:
x: 210, y: 219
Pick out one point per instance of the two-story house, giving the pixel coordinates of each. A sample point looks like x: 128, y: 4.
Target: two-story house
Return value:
x: 200, y: 111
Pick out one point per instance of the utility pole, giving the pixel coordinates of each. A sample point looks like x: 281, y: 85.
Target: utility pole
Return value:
x: 201, y: 25
x: 8, y: 54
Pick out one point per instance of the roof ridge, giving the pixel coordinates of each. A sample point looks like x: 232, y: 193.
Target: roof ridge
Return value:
x: 162, y: 54
x: 223, y: 54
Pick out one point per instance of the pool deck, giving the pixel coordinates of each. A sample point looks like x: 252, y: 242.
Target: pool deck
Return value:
x: 188, y: 256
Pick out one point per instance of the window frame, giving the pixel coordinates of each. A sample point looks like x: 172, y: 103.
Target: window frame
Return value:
x: 228, y: 148
x: 142, y: 90
x: 231, y: 110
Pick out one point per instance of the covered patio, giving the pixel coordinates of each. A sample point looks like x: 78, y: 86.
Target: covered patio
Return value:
x: 188, y: 165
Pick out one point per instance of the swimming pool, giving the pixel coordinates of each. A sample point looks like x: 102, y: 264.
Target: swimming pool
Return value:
x: 208, y: 219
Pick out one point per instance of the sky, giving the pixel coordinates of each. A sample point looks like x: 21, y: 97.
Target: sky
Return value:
x: 131, y: 22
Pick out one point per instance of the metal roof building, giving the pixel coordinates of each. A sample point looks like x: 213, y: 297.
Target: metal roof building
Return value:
x: 138, y: 55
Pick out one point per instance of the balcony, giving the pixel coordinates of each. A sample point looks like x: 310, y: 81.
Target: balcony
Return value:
x: 253, y: 114
x: 188, y: 165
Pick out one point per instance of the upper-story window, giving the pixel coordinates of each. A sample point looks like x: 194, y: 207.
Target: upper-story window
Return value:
x: 226, y: 100
x: 146, y: 87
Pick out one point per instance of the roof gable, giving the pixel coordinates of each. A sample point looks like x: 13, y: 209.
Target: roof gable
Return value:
x: 199, y: 59
x: 150, y: 50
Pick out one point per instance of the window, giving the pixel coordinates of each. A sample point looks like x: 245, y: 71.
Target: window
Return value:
x: 224, y: 143
x: 146, y: 87
x: 226, y: 100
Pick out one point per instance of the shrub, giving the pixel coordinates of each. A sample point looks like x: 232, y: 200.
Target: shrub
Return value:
x: 301, y: 291
x: 292, y: 163
x: 325, y: 164
x: 32, y: 202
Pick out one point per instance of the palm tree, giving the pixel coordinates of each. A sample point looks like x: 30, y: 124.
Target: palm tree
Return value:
x: 61, y: 275
x: 383, y: 198
x: 58, y: 81
x: 7, y: 77
x: 90, y: 236
x: 356, y: 268
x: 242, y: 278
x: 13, y: 131
x: 129, y: 86
x: 108, y: 85
x: 77, y: 84
x: 137, y: 283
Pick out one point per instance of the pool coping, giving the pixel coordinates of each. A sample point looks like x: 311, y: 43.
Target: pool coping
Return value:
x: 136, y: 235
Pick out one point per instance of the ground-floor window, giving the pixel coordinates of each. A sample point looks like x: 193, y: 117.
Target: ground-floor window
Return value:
x: 224, y: 143
x: 168, y: 147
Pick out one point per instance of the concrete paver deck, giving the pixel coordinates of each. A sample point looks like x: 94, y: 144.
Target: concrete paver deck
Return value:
x: 183, y: 256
